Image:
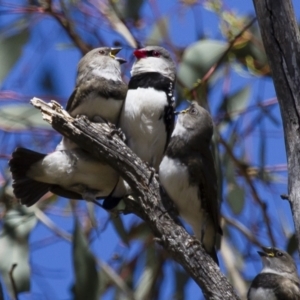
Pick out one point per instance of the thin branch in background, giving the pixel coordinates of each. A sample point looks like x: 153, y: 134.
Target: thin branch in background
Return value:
x: 68, y: 26
x: 231, y: 266
x: 116, y: 23
x: 13, y: 283
x: 254, y: 193
x: 239, y: 112
x: 244, y: 230
x: 51, y: 225
x: 285, y: 197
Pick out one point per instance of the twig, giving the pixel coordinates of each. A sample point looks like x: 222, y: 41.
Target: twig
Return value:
x: 116, y: 279
x: 285, y: 197
x: 244, y: 230
x: 244, y: 173
x: 231, y: 267
x: 68, y: 27
x: 13, y: 283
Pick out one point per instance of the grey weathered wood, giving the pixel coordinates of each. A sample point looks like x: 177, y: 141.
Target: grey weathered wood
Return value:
x: 104, y: 142
x: 281, y: 39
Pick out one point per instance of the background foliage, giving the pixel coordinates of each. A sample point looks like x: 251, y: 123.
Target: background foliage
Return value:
x: 65, y: 249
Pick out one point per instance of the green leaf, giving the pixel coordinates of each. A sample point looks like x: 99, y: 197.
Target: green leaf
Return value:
x: 236, y: 198
x: 233, y: 105
x: 238, y: 101
x: 21, y: 117
x: 159, y: 32
x: 198, y: 59
x: 235, y: 194
x: 148, y: 277
x: 120, y: 229
x: 10, y: 50
x: 86, y: 274
x: 14, y: 248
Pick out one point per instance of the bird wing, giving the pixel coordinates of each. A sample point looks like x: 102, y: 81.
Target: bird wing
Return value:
x: 203, y: 173
x: 283, y: 288
x: 60, y: 191
x: 106, y: 88
x: 287, y: 289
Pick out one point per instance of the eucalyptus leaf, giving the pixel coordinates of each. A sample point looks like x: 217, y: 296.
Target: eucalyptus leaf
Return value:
x: 86, y: 274
x: 198, y: 58
x: 21, y: 117
x: 120, y: 229
x: 148, y: 277
x: 236, y: 198
x: 10, y: 51
x: 14, y: 248
x: 233, y: 105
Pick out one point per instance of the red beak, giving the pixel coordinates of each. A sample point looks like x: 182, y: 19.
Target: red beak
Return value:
x: 139, y: 53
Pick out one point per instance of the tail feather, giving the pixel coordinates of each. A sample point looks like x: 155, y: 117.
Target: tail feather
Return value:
x: 27, y: 190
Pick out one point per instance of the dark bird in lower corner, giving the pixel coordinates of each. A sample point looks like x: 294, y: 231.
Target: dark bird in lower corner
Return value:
x: 187, y: 174
x: 278, y: 280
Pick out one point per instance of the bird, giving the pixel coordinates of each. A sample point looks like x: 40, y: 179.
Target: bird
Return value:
x: 100, y: 92
x: 70, y: 171
x: 187, y: 174
x: 278, y: 280
x: 147, y: 117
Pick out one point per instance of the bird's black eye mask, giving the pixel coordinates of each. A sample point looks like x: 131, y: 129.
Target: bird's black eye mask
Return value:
x: 153, y: 53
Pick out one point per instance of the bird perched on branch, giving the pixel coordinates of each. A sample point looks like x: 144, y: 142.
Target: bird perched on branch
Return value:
x: 278, y: 280
x: 187, y: 173
x: 147, y: 117
x: 70, y: 171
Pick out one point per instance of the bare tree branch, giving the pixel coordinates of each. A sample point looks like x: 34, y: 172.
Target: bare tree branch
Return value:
x: 281, y: 38
x: 103, y: 143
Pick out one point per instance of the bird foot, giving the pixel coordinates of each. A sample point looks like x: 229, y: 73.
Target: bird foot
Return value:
x: 192, y: 241
x: 119, y: 133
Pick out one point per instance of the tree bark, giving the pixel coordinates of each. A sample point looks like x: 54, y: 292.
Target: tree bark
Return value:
x: 104, y: 142
x: 281, y: 39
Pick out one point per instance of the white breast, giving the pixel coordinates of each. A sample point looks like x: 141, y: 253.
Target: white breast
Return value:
x: 94, y: 105
x: 174, y: 178
x: 75, y: 172
x: 261, y: 294
x: 143, y: 123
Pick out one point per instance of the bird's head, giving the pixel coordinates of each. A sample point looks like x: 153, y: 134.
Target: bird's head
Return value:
x: 277, y: 261
x: 154, y: 59
x: 102, y: 62
x: 194, y: 124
